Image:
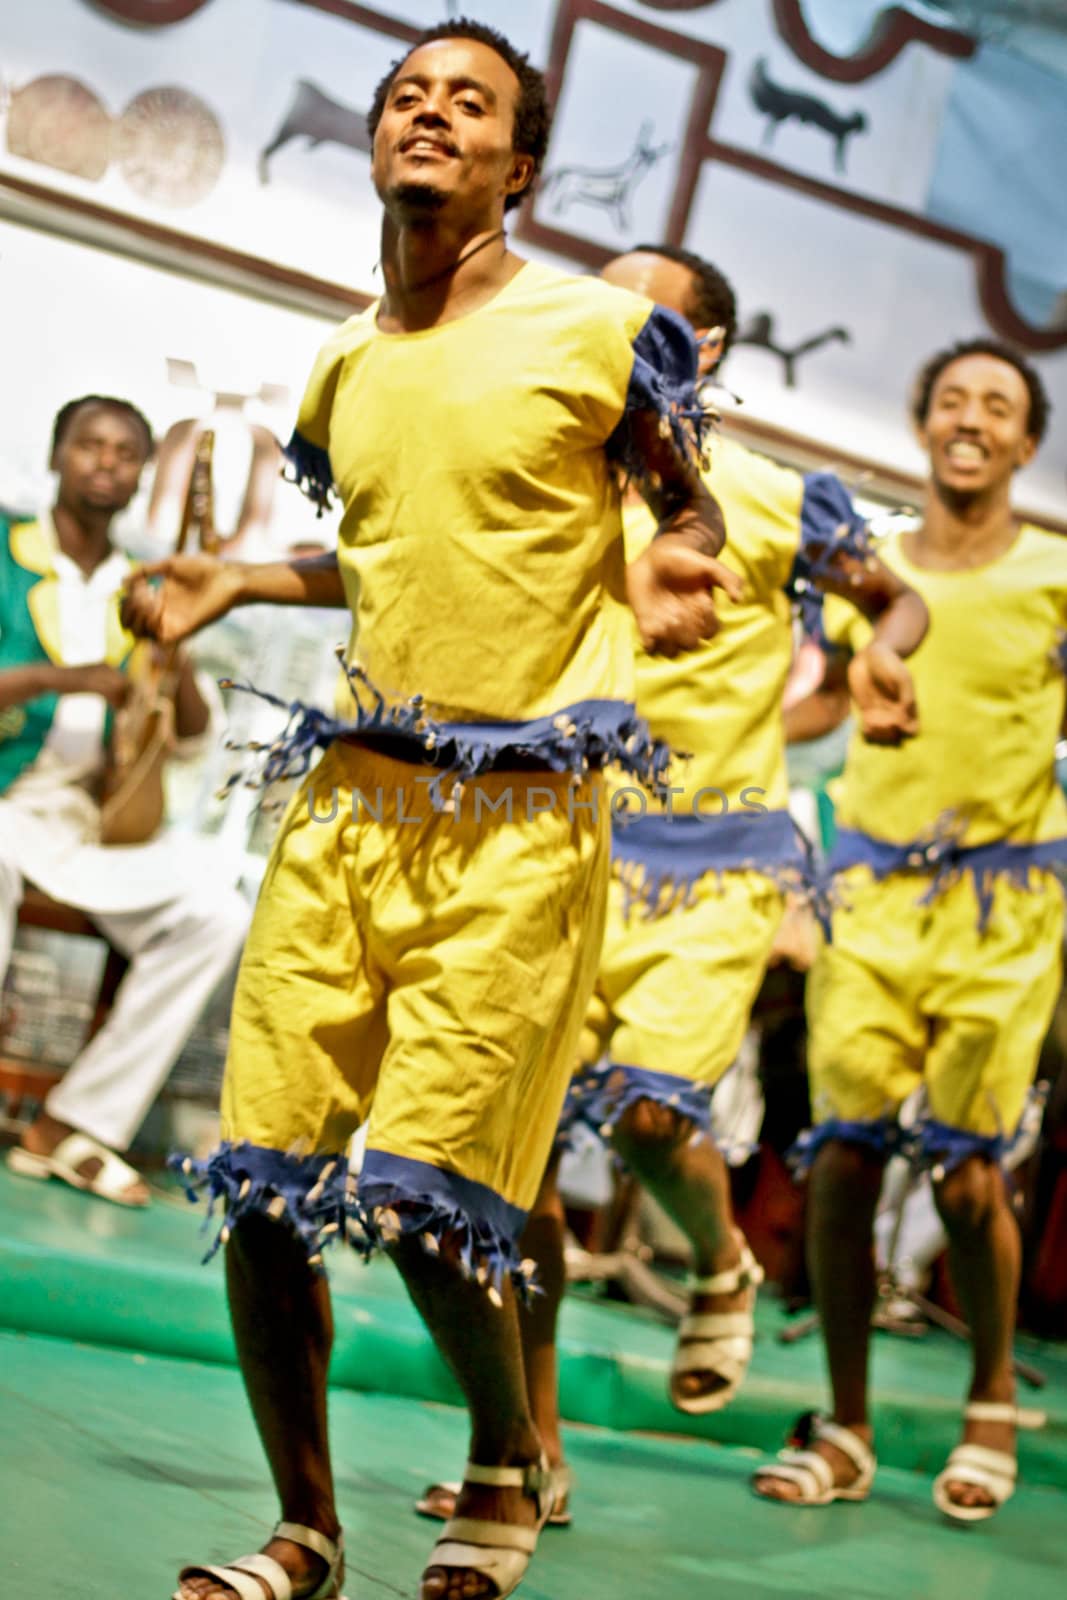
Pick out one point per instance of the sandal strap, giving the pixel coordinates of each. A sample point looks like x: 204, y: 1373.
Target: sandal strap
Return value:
x: 976, y: 1463
x: 748, y: 1274
x: 990, y: 1411
x: 806, y: 1468
x: 115, y: 1174
x: 330, y: 1550
x: 533, y: 1479
x: 716, y: 1325
x: 493, y: 1535
x: 241, y: 1576
x: 849, y: 1443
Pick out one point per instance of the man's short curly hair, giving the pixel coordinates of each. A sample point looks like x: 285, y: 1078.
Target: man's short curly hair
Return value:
x: 713, y: 303
x: 107, y: 402
x: 532, y: 118
x: 1040, y: 405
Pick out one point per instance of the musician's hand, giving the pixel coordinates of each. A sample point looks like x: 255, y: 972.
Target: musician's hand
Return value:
x: 187, y: 594
x: 884, y: 695
x: 670, y: 588
x: 99, y: 678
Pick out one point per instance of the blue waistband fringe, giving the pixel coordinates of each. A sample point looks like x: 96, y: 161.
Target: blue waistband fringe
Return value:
x: 578, y: 739
x: 659, y: 860
x: 940, y: 855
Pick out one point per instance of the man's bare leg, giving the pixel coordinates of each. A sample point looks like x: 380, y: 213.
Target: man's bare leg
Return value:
x: 480, y: 1342
x: 685, y: 1172
x: 543, y: 1242
x: 842, y: 1198
x: 283, y: 1327
x: 985, y: 1253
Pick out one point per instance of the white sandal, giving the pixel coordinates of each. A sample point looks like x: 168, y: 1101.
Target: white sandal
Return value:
x: 995, y: 1471
x: 241, y: 1575
x: 497, y: 1551
x: 812, y: 1473
x: 109, y: 1183
x: 719, y: 1342
x: 559, y: 1517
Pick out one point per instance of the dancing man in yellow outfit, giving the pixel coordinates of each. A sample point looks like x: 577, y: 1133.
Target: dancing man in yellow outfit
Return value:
x: 426, y: 938
x: 944, y: 965
x: 699, y: 886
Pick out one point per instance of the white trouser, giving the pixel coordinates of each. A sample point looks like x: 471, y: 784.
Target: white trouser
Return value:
x: 179, y: 951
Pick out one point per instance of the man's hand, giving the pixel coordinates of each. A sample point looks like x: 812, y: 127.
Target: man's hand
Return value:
x: 883, y: 694
x: 194, y: 591
x: 99, y: 678
x: 670, y: 588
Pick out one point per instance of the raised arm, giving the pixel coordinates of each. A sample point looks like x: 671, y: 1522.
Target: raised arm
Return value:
x: 169, y: 600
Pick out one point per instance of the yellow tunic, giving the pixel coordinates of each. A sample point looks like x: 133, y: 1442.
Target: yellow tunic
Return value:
x: 422, y: 971
x: 480, y: 543
x: 674, y: 992
x: 917, y: 986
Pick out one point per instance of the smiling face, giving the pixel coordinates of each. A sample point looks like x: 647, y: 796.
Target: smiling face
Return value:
x: 976, y: 428
x: 99, y: 458
x: 445, y: 135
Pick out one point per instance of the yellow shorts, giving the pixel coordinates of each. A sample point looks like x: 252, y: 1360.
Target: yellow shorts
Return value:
x: 427, y: 974
x: 673, y: 995
x: 910, y: 994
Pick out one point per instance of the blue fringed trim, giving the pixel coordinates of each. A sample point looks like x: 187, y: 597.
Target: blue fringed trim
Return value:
x: 663, y: 380
x: 1059, y: 654
x: 400, y: 1198
x: 308, y: 1194
x: 588, y: 735
x: 659, y: 860
x: 943, y: 1147
x: 881, y: 1134
x: 310, y: 471
x: 940, y: 854
x: 830, y: 527
x: 599, y: 1095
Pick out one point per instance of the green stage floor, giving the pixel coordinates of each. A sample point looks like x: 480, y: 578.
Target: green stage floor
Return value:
x: 126, y: 1449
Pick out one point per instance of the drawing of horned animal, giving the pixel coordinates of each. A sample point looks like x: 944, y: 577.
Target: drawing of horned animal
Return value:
x: 608, y: 187
x: 779, y: 105
x: 759, y: 331
x: 318, y: 119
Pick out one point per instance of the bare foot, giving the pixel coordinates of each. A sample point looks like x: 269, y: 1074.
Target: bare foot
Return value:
x: 45, y: 1133
x: 494, y: 1505
x: 994, y: 1436
x: 696, y: 1385
x: 766, y: 1481
x: 306, y: 1571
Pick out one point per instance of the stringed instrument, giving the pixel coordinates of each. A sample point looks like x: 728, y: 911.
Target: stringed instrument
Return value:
x: 132, y: 796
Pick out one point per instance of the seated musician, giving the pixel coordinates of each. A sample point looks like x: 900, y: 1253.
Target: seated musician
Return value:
x: 62, y: 678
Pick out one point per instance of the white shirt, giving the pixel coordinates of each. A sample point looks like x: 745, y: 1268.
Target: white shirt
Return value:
x: 76, y: 737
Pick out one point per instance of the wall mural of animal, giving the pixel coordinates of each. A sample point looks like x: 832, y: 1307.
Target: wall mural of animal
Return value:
x: 759, y: 331
x: 779, y: 104
x: 611, y: 188
x: 314, y: 116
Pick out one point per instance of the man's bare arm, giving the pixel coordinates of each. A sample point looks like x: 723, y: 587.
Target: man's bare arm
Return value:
x: 673, y: 487
x: 171, y: 599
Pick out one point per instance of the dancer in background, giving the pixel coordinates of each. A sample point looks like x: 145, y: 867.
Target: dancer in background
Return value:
x: 944, y: 966
x: 698, y: 889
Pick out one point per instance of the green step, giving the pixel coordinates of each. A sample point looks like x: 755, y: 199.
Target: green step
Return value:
x: 78, y: 1269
